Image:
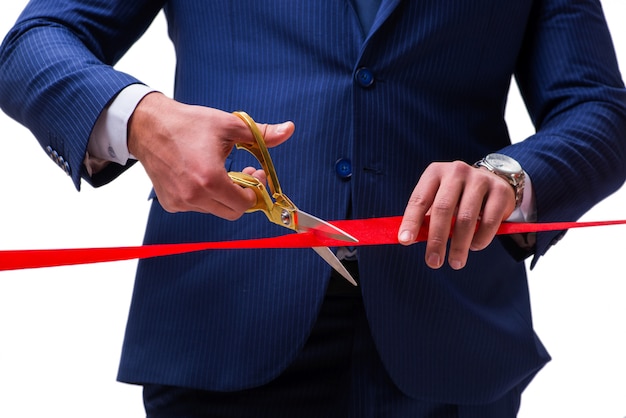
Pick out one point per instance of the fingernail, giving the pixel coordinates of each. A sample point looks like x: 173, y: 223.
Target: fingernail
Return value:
x: 434, y: 260
x: 406, y: 237
x: 282, y: 128
x: 456, y: 264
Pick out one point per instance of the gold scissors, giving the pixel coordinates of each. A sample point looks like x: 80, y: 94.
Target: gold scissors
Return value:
x: 278, y: 208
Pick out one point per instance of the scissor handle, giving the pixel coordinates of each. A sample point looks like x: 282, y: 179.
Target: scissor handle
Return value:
x: 263, y: 201
x: 279, y: 210
x: 260, y: 152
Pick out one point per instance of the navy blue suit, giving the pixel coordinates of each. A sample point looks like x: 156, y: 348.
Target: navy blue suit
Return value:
x: 429, y: 83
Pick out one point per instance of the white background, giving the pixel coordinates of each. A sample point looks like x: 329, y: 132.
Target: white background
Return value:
x: 61, y: 328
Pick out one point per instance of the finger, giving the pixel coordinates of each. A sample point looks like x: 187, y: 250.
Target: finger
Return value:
x: 498, y: 206
x: 237, y: 203
x: 276, y: 134
x: 217, y: 195
x: 467, y: 216
x: 232, y: 204
x: 273, y: 134
x: 419, y: 203
x: 257, y: 173
x: 441, y: 215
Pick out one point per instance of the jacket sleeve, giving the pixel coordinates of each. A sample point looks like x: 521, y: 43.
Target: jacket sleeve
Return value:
x: 57, y: 75
x: 568, y: 75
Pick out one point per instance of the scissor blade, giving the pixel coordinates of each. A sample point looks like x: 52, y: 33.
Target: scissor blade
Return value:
x: 332, y: 259
x: 306, y: 222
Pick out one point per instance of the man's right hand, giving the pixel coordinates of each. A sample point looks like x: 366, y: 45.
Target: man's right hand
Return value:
x: 183, y: 149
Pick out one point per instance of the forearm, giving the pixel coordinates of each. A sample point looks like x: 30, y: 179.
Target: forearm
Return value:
x: 57, y: 74
x: 56, y: 97
x: 569, y: 78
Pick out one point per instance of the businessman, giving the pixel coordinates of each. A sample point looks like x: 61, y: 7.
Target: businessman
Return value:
x: 373, y: 108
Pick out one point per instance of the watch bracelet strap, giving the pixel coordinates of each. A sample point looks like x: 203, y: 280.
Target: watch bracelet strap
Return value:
x: 516, y: 184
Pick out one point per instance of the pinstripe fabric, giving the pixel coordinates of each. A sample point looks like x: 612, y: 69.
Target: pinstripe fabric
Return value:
x: 64, y: 82
x: 441, y: 72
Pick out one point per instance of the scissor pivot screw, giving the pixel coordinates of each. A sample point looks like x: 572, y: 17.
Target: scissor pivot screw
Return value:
x: 285, y: 216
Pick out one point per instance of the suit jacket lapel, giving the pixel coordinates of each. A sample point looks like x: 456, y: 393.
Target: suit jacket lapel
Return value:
x: 386, y: 8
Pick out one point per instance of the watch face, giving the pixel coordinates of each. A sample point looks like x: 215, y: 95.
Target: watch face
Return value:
x: 503, y: 163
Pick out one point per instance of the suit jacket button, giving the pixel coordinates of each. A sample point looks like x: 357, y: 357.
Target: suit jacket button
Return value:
x: 343, y: 168
x: 364, y: 77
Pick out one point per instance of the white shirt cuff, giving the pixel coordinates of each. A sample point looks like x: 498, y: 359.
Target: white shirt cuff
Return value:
x: 109, y: 138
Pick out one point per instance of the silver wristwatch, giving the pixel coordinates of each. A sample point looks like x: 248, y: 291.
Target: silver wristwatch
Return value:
x: 507, y: 168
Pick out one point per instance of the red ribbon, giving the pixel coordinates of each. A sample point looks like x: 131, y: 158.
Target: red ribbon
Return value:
x: 374, y: 231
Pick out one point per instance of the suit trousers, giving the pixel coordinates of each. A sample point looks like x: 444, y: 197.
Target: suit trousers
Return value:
x: 338, y: 373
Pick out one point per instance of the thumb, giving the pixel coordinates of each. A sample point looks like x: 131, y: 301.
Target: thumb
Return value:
x: 276, y: 134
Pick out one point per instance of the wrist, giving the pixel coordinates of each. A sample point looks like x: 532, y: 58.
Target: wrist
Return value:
x: 144, y: 120
x: 508, y: 169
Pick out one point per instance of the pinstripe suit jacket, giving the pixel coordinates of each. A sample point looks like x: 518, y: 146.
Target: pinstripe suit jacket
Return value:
x: 438, y: 73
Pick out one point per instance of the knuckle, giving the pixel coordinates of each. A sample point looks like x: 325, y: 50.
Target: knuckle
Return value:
x: 418, y: 200
x: 205, y: 181
x: 233, y: 216
x: 457, y: 169
x: 489, y: 222
x: 437, y: 241
x: 459, y: 166
x: 169, y: 206
x: 465, y: 219
x: 186, y: 195
x: 444, y: 205
x: 167, y: 201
